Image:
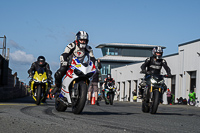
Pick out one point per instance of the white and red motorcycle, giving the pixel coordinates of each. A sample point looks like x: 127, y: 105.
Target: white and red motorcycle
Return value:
x: 75, y: 85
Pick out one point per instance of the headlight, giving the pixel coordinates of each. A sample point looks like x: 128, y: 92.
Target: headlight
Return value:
x: 153, y: 81
x: 35, y: 80
x: 44, y: 80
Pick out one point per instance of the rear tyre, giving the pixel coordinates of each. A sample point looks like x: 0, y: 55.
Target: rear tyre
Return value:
x: 155, y: 102
x: 38, y: 93
x: 80, y: 103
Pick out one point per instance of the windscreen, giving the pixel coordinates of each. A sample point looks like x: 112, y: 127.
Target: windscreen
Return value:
x: 84, y: 60
x: 40, y: 70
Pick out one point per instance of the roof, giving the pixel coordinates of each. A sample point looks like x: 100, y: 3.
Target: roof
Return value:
x: 170, y: 55
x: 121, y: 58
x: 127, y: 45
x: 189, y: 42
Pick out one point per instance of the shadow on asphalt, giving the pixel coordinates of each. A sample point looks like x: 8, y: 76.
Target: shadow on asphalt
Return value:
x: 27, y: 99
x: 106, y: 113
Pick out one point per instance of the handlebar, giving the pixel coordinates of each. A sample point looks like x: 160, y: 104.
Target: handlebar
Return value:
x: 150, y: 73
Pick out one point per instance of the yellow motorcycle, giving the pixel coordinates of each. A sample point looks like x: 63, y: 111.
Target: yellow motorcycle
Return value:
x: 39, y: 86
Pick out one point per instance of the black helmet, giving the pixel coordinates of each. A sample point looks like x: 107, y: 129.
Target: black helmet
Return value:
x: 41, y: 60
x: 82, y: 35
x: 157, y: 49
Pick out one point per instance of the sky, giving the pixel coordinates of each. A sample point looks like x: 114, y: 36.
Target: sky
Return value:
x: 46, y: 27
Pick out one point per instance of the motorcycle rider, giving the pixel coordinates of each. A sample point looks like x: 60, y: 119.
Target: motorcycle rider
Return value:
x: 40, y: 63
x: 78, y: 48
x: 153, y: 65
x: 192, y: 96
x: 106, y: 82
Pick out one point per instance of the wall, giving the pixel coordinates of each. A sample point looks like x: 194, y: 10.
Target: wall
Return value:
x: 11, y: 87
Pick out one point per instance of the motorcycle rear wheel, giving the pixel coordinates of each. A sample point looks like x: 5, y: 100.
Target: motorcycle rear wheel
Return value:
x: 155, y: 102
x: 78, y: 107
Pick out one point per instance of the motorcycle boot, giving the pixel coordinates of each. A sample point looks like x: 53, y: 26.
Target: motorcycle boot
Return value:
x: 161, y: 98
x: 58, y: 80
x: 141, y: 86
x: 97, y: 103
x: 163, y: 91
x: 88, y: 102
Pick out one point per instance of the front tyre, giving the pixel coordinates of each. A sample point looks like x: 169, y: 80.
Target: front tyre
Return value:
x: 192, y: 102
x: 38, y: 93
x: 155, y: 102
x: 111, y: 98
x: 78, y: 107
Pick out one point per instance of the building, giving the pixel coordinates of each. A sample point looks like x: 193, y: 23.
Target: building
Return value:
x: 185, y: 68
x: 122, y: 54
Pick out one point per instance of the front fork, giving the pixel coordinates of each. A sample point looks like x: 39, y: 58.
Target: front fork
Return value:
x: 148, y: 93
x: 74, y: 93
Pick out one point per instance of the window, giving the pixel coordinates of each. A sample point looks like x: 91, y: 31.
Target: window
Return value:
x: 111, y: 51
x: 105, y: 69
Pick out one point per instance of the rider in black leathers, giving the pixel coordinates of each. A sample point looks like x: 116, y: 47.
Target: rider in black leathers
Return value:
x: 107, y: 81
x: 40, y: 63
x: 153, y: 65
x: 78, y: 48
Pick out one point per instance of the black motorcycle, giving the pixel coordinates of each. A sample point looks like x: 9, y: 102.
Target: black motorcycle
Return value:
x: 152, y: 93
x: 109, y: 93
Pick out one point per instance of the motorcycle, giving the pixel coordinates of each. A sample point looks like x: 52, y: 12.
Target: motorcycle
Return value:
x: 181, y: 101
x: 75, y: 85
x: 39, y: 86
x: 109, y: 94
x: 152, y: 93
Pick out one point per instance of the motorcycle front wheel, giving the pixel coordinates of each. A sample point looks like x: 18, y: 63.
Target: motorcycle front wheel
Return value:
x: 38, y: 93
x: 80, y: 103
x: 155, y: 102
x: 192, y: 103
x: 111, y: 98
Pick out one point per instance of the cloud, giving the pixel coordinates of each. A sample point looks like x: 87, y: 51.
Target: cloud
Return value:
x: 12, y: 43
x: 22, y: 57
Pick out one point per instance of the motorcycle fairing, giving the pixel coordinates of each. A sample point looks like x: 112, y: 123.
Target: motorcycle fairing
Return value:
x: 85, y: 68
x: 39, y: 78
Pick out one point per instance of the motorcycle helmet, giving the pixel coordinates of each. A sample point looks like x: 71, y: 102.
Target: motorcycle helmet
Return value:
x: 41, y: 60
x: 109, y: 76
x: 82, y: 35
x: 157, y: 50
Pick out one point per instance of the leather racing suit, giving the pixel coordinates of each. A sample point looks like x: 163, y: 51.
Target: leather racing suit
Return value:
x: 70, y: 51
x: 153, y: 66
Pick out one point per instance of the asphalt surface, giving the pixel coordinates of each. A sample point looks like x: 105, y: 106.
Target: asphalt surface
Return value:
x: 22, y: 115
